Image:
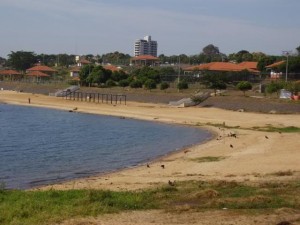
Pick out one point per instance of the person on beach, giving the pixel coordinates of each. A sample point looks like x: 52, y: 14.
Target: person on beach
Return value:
x: 28, y: 100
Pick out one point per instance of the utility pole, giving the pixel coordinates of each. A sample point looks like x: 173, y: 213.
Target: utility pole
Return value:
x: 178, y: 71
x: 286, y: 53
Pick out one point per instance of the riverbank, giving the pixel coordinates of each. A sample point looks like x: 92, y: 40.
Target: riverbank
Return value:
x: 251, y: 157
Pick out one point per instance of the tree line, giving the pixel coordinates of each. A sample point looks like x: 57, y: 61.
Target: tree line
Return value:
x: 22, y: 60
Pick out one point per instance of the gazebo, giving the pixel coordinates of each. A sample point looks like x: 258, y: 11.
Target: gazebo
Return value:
x: 44, y: 69
x: 144, y: 60
x: 37, y: 75
x: 10, y: 75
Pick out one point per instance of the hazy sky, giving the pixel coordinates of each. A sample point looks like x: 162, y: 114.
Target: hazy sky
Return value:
x: 179, y: 26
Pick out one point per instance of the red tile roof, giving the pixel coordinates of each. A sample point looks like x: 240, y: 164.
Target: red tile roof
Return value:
x: 276, y: 64
x: 84, y: 61
x: 145, y: 57
x: 9, y: 72
x: 41, y: 68
x: 112, y: 68
x: 221, y: 66
x: 249, y: 65
x: 75, y: 69
x: 37, y: 74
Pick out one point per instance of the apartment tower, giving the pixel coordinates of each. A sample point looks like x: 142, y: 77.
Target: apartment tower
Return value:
x: 145, y: 47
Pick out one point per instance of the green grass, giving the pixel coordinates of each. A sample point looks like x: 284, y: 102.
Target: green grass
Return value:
x: 268, y: 128
x: 208, y: 159
x: 44, y: 207
x: 37, y: 207
x: 290, y: 129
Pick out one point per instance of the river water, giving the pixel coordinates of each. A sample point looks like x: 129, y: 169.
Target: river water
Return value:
x: 41, y: 146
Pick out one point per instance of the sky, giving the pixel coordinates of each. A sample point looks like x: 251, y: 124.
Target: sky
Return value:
x: 179, y: 26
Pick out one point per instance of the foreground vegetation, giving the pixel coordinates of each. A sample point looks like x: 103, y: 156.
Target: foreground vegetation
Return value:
x: 268, y: 128
x: 44, y: 207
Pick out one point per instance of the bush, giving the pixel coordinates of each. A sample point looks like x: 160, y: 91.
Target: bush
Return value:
x: 182, y: 85
x: 274, y: 87
x: 136, y: 84
x: 164, y: 86
x: 123, y: 83
x: 110, y: 83
x: 150, y: 84
x: 244, y: 86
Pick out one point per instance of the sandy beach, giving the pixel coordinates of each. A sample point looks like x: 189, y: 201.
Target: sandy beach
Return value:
x: 253, y: 156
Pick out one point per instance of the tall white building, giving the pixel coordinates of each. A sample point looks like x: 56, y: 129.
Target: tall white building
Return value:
x: 145, y: 47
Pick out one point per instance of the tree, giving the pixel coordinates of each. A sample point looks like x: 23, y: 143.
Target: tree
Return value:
x: 298, y: 50
x: 210, y: 50
x: 21, y: 60
x: 244, y: 86
x: 99, y: 75
x: 218, y: 85
x: 116, y: 58
x: 264, y: 61
x: 84, y: 74
x: 119, y: 75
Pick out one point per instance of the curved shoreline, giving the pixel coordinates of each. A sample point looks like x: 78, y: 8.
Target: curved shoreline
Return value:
x: 252, y: 158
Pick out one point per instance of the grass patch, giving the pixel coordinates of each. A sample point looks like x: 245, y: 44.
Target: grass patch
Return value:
x: 221, y: 125
x: 44, y: 207
x: 270, y: 128
x: 208, y: 159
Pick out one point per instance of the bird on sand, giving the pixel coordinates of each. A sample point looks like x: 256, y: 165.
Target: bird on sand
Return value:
x: 162, y: 166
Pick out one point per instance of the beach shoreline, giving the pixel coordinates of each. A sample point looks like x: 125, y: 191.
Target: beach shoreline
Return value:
x: 239, y: 162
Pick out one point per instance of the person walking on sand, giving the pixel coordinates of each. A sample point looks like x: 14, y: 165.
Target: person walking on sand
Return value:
x: 28, y: 100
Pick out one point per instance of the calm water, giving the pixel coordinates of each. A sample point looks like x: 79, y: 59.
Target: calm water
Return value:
x: 41, y: 146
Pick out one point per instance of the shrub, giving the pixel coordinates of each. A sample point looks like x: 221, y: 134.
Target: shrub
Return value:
x: 110, y: 83
x: 136, y: 84
x: 164, y: 86
x: 274, y: 87
x: 150, y: 84
x: 244, y: 86
x: 123, y: 83
x: 182, y: 85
